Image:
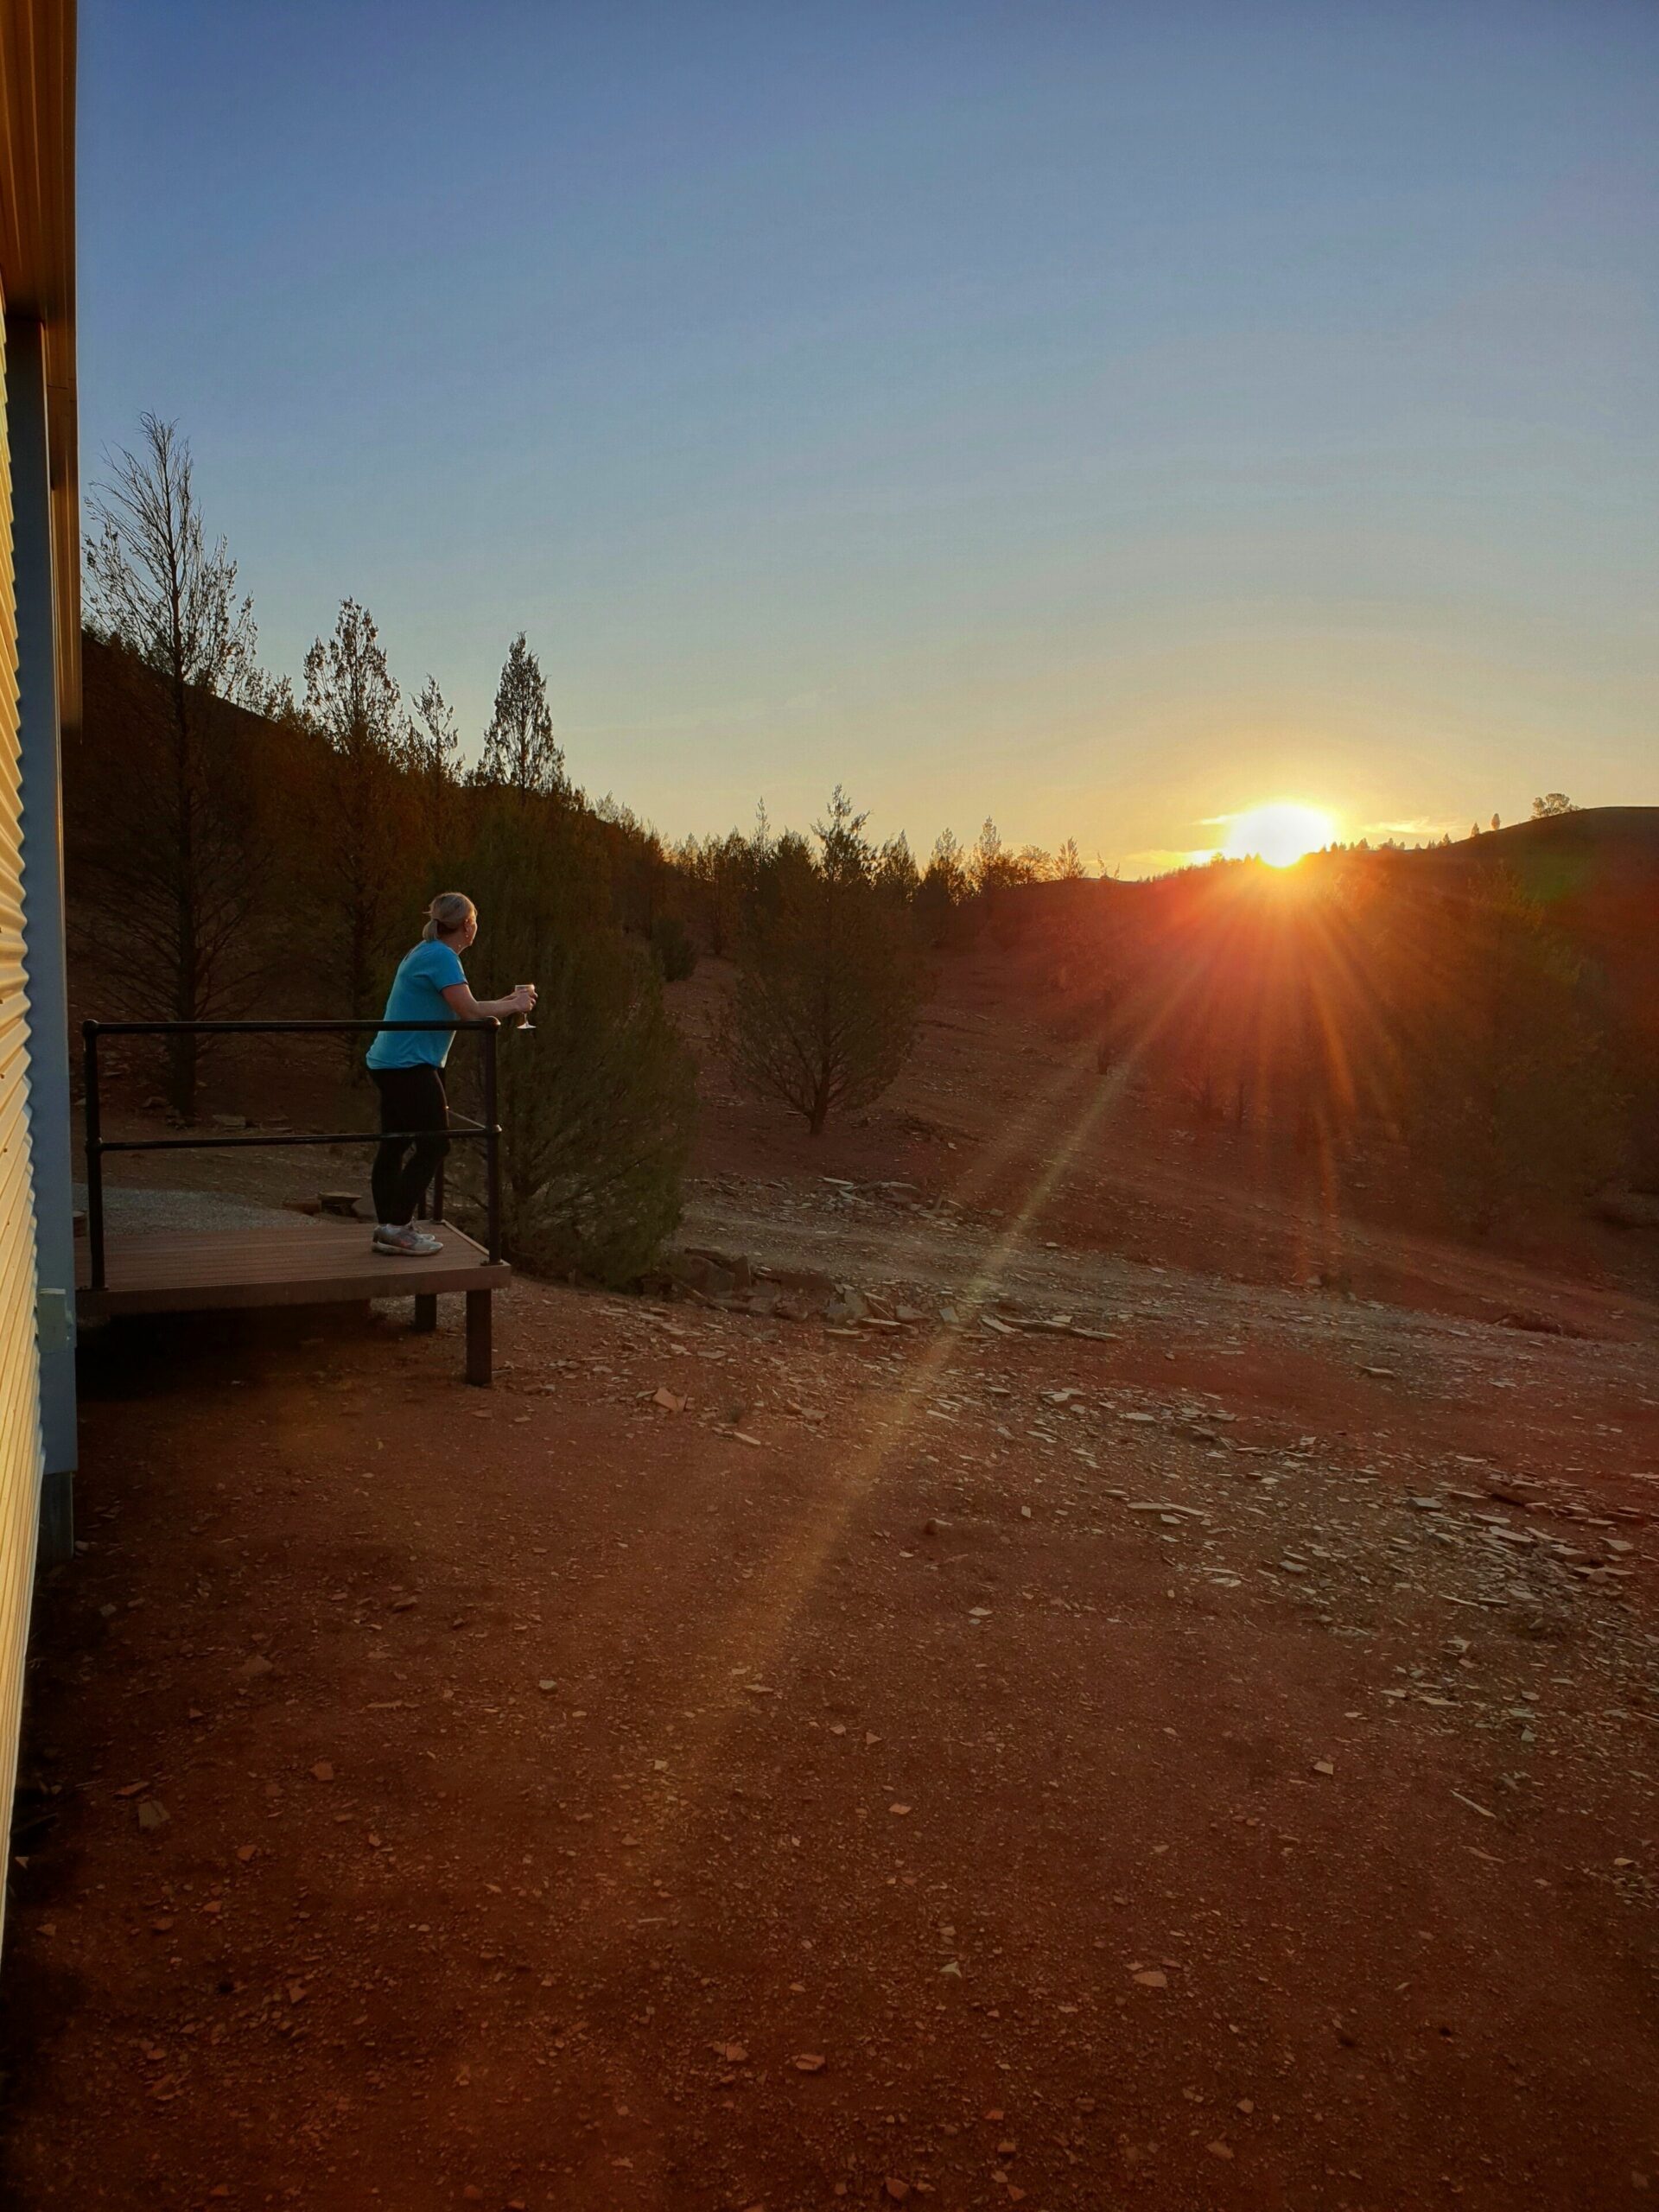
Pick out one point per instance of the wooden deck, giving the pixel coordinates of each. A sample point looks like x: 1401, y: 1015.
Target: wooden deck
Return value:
x: 299, y: 1263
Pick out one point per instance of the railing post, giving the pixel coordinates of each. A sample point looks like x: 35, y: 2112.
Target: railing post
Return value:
x: 489, y: 1129
x: 492, y: 1147
x: 95, y: 1155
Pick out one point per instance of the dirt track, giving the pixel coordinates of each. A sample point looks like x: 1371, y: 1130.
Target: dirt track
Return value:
x: 1210, y: 1761
x: 517, y: 1938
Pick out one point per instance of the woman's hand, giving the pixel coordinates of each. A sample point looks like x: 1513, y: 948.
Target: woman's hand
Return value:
x: 465, y: 1007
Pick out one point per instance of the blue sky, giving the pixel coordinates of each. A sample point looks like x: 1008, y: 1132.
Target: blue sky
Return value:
x: 1104, y: 417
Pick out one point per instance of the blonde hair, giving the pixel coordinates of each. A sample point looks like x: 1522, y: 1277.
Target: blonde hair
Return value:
x: 450, y: 912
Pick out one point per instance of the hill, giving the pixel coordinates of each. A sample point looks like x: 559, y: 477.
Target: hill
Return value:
x: 1330, y: 989
x: 1595, y: 873
x: 1445, y: 1035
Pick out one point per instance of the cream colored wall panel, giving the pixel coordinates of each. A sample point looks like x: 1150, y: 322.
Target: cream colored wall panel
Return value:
x: 20, y: 1444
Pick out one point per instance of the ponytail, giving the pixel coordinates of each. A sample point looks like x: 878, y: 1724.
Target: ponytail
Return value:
x: 449, y: 912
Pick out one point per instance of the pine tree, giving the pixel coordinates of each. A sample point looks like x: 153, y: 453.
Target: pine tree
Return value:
x: 990, y: 864
x: 944, y: 889
x: 519, y: 754
x: 434, y: 752
x: 360, y: 844
x: 824, y: 1009
x: 895, y: 875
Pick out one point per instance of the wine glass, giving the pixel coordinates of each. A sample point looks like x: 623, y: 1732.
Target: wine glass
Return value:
x: 524, y: 1021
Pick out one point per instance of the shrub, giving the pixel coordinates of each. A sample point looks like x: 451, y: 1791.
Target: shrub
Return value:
x: 670, y: 944
x: 1510, y: 1097
x: 598, y: 1103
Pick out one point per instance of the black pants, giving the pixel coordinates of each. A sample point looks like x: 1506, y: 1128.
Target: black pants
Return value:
x: 410, y: 1098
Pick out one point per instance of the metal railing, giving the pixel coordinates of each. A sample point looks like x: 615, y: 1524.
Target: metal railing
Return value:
x: 488, y: 1130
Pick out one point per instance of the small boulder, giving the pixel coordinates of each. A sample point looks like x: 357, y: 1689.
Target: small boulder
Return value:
x: 705, y: 1273
x: 732, y: 1263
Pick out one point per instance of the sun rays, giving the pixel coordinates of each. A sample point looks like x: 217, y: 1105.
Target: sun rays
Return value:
x: 1283, y: 987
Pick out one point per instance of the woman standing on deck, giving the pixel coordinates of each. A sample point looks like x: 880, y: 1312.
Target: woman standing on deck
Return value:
x: 407, y: 1065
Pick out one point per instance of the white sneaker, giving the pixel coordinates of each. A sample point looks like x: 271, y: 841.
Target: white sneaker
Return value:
x: 408, y: 1242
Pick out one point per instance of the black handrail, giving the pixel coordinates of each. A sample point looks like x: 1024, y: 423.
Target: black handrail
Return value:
x: 98, y: 1144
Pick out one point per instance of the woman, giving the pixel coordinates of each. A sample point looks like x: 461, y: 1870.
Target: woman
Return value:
x: 430, y: 985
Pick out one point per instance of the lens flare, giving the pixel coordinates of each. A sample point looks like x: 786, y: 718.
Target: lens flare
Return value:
x: 1279, y: 834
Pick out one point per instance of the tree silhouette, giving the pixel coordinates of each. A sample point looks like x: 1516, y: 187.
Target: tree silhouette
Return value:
x: 189, y: 864
x: 599, y: 1107
x: 360, y: 811
x: 519, y: 754
x: 434, y: 750
x: 822, y: 1013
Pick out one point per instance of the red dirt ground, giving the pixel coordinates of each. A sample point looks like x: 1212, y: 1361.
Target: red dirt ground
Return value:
x: 1210, y: 1763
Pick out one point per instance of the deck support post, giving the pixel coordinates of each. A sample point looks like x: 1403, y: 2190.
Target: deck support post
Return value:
x: 57, y: 1537
x: 426, y: 1312
x: 478, y: 1337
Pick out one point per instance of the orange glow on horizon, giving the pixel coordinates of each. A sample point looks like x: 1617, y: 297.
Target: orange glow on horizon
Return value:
x: 1279, y: 834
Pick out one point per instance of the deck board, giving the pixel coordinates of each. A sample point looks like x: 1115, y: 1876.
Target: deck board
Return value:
x: 291, y: 1263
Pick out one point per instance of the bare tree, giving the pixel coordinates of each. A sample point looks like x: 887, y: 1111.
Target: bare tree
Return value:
x: 519, y: 753
x: 181, y: 879
x: 361, y: 829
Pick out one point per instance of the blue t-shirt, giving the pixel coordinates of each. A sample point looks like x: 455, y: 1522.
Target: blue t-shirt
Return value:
x: 417, y: 990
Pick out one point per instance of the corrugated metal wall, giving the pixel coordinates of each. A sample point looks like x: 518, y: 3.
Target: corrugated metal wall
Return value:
x: 19, y: 1432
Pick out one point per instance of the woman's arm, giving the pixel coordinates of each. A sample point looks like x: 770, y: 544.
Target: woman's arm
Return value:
x: 465, y: 1008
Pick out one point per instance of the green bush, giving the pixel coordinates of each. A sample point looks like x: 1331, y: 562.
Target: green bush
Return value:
x: 1509, y: 1088
x: 598, y: 1101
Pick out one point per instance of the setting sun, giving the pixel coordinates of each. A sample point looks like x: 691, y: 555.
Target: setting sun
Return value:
x: 1279, y: 834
